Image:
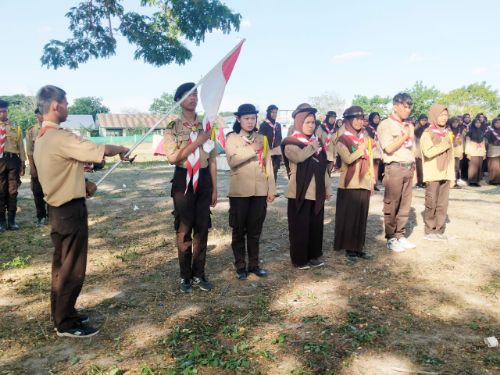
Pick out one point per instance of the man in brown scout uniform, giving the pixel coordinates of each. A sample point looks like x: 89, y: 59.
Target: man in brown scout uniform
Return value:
x: 12, y: 166
x: 398, y: 146
x: 194, y: 188
x: 60, y: 157
x: 36, y: 188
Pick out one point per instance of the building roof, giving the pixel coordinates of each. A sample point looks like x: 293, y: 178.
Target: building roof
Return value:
x: 138, y: 120
x: 79, y: 122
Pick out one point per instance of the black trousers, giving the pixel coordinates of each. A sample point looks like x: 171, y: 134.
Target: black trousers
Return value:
x: 40, y: 205
x: 10, y: 169
x: 276, y: 159
x: 464, y: 168
x: 246, y: 217
x: 305, y: 232
x: 69, y: 234
x: 192, y: 221
x: 420, y: 171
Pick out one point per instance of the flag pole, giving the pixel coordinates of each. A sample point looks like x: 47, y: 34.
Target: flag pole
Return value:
x: 170, y: 111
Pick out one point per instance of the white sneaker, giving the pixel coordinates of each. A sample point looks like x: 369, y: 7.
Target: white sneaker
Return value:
x: 406, y: 244
x: 394, y: 245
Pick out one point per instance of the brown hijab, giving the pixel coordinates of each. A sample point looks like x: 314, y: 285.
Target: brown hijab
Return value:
x: 444, y: 158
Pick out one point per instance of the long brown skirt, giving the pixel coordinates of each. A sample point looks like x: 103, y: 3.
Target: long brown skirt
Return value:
x: 351, y: 217
x: 494, y: 170
x: 475, y: 169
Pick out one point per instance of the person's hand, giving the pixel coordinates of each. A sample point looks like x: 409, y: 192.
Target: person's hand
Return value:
x: 33, y: 171
x: 270, y: 198
x: 213, y: 201
x: 90, y: 188
x: 315, y: 144
x: 203, y: 137
x: 124, y: 152
x: 331, y: 166
x: 257, y: 145
x: 362, y: 146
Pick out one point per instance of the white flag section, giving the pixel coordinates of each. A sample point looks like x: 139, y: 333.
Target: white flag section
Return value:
x: 214, y: 84
x: 212, y: 90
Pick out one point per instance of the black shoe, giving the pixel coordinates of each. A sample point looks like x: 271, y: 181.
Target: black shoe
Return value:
x: 11, y: 225
x: 3, y: 227
x: 258, y: 271
x: 365, y: 256
x: 376, y: 188
x: 316, y: 263
x: 81, y: 331
x: 186, y: 286
x: 42, y: 221
x: 241, y: 274
x: 202, y: 283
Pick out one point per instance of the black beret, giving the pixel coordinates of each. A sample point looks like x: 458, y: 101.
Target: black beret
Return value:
x: 353, y: 111
x: 182, y: 89
x: 246, y: 109
x: 271, y: 108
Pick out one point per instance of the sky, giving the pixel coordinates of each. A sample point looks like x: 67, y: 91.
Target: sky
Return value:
x: 294, y: 50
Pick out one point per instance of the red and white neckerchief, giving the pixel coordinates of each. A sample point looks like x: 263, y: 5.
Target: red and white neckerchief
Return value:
x: 409, y: 142
x: 491, y: 130
x: 268, y: 122
x: 3, y: 139
x: 193, y: 160
x: 357, y: 140
x: 249, y: 139
x: 440, y: 132
x: 329, y: 134
x: 307, y: 141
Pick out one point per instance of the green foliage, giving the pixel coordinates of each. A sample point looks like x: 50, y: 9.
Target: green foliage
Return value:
x: 423, y: 97
x: 163, y: 104
x: 21, y: 110
x: 158, y: 34
x: 88, y: 105
x: 376, y: 103
x: 17, y: 262
x: 474, y: 98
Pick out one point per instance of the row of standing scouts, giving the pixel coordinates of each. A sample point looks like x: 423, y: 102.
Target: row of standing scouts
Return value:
x: 254, y: 154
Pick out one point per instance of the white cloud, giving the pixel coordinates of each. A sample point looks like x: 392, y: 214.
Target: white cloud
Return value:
x: 416, y: 57
x: 346, y: 56
x: 245, y: 24
x: 480, y: 70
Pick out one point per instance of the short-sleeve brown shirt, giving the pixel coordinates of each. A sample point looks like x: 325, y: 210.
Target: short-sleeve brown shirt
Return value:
x: 60, y: 156
x: 177, y: 137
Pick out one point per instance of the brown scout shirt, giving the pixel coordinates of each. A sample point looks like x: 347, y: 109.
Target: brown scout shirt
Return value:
x: 60, y: 157
x: 297, y: 155
x: 475, y: 149
x: 388, y: 131
x: 321, y: 134
x: 347, y: 158
x: 493, y: 151
x: 177, y: 137
x: 247, y: 177
x: 14, y: 140
x: 430, y: 151
x: 31, y: 135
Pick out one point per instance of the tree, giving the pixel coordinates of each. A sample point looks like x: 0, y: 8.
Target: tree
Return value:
x: 158, y: 37
x: 163, y: 104
x: 376, y: 103
x: 88, y: 105
x: 423, y: 97
x: 328, y: 101
x: 474, y: 98
x: 21, y: 110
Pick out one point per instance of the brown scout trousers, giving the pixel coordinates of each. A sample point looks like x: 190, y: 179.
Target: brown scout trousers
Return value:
x: 475, y: 172
x: 246, y: 217
x: 305, y: 232
x: 192, y: 221
x: 69, y: 234
x: 398, y: 183
x: 436, y: 206
x: 36, y: 188
x: 10, y: 169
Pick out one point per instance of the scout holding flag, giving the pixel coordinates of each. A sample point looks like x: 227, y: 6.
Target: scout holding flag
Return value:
x: 251, y: 188
x: 12, y: 167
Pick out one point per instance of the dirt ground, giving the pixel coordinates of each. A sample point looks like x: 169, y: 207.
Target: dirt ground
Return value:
x: 425, y: 311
